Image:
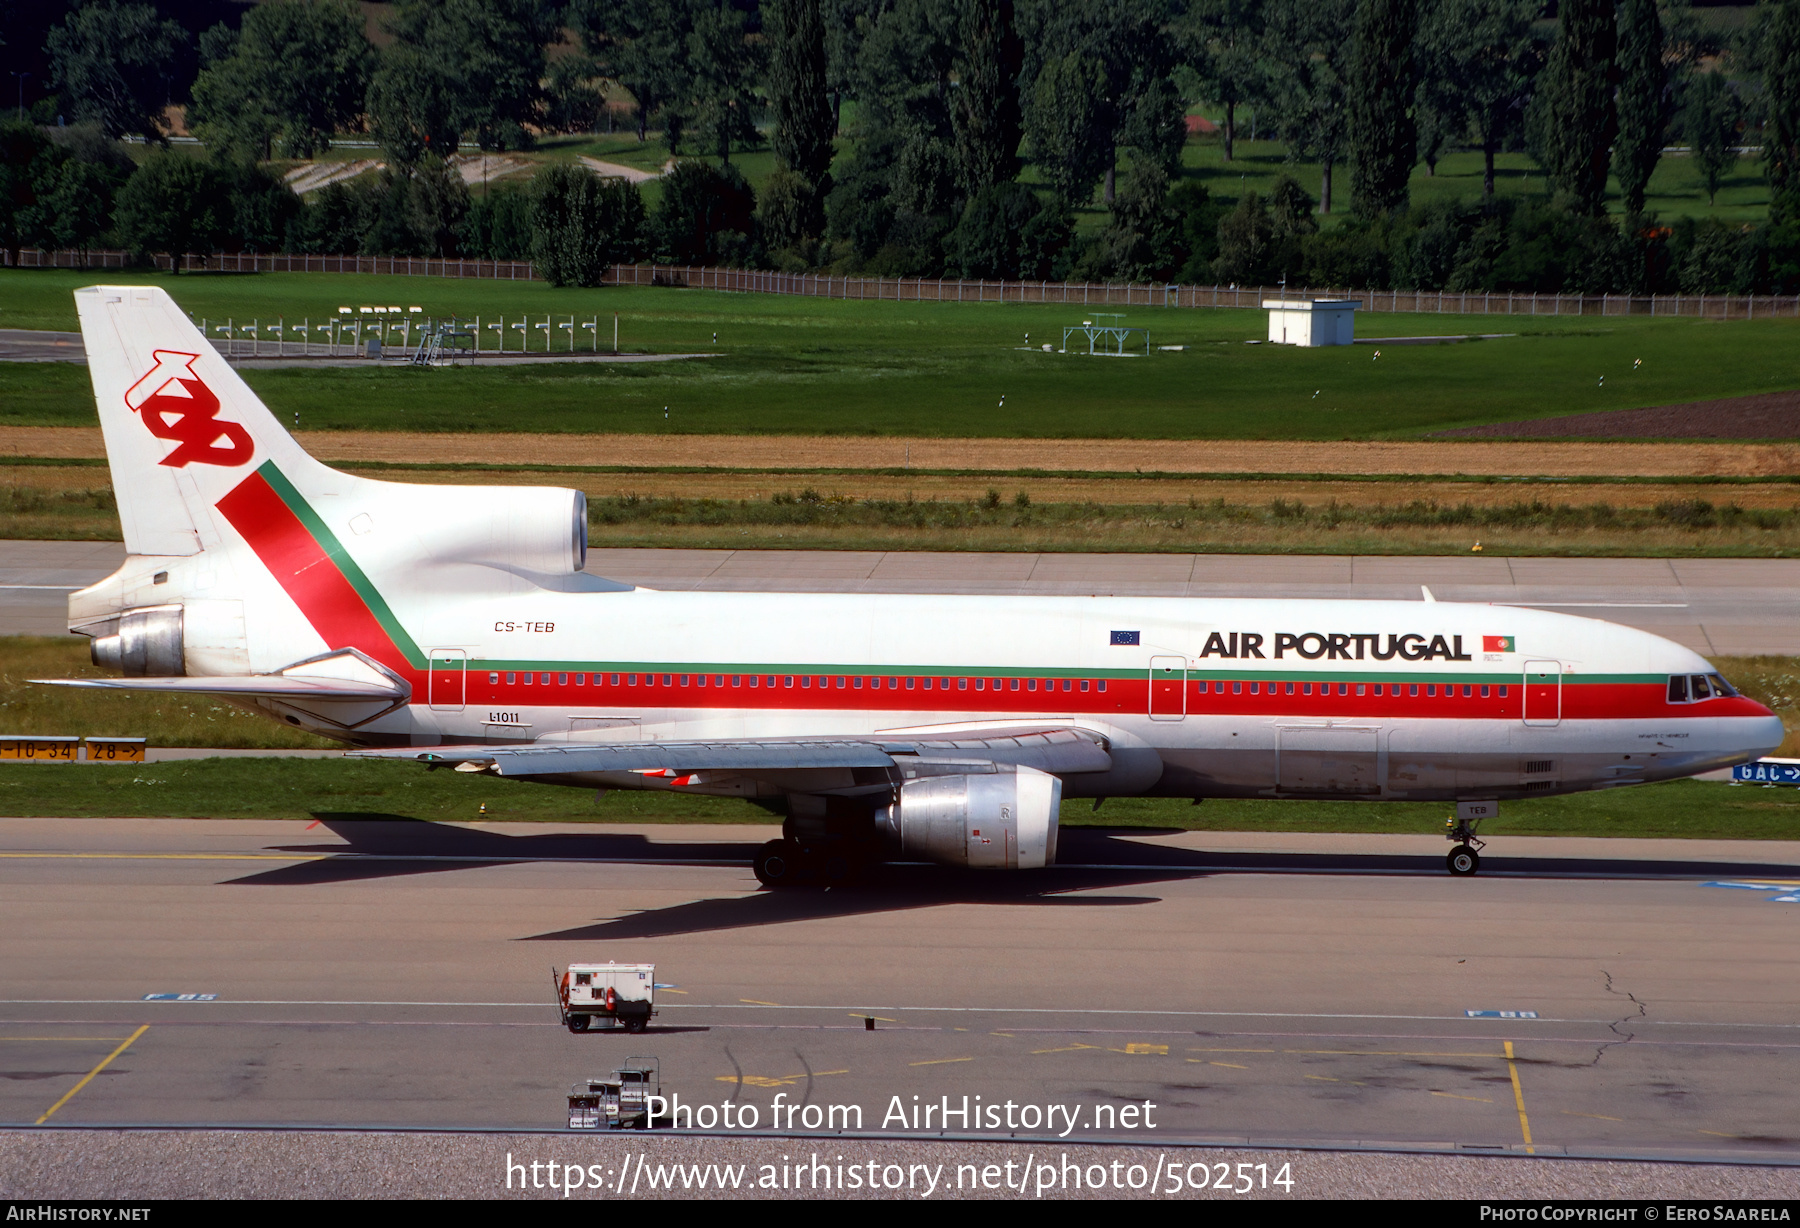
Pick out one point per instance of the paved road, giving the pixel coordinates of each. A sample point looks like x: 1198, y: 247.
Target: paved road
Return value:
x: 1719, y: 607
x: 1256, y: 988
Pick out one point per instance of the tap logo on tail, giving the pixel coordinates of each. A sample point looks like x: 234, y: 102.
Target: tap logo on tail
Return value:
x: 177, y: 405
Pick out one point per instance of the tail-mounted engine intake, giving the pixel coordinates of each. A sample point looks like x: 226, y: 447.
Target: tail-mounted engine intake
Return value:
x: 1000, y: 820
x: 148, y: 644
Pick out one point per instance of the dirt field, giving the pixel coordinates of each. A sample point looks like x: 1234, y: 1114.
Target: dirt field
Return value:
x: 1174, y: 492
x: 1774, y: 415
x: 773, y: 453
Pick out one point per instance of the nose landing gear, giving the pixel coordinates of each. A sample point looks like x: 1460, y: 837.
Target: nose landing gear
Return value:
x: 1465, y: 858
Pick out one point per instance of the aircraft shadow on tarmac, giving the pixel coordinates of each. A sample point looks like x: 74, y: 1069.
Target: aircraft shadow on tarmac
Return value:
x: 1090, y: 859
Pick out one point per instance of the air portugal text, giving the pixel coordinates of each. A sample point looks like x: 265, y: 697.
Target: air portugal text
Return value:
x: 1336, y: 646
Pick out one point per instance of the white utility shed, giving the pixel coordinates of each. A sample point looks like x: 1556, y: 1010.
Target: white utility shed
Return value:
x: 1312, y: 321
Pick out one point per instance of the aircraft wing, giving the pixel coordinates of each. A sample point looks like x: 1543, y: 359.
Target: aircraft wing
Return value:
x: 1056, y: 751
x: 271, y: 686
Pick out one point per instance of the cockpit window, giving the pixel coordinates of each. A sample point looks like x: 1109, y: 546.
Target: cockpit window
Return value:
x: 1692, y: 688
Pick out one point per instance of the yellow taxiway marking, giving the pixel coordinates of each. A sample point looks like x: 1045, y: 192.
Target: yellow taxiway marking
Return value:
x: 88, y: 1078
x: 1231, y: 1051
x: 941, y: 1061
x: 1716, y: 1134
x: 1064, y: 1049
x: 1141, y: 1048
x: 783, y: 1081
x: 171, y: 856
x: 1519, y: 1099
x: 1595, y: 1116
x: 682, y: 992
x: 852, y: 1014
x: 1454, y: 1096
x: 758, y: 1002
x: 1233, y: 1065
x: 104, y: 1039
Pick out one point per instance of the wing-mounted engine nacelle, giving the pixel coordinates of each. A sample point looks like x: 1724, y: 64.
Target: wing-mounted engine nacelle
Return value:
x: 1003, y: 820
x: 148, y: 644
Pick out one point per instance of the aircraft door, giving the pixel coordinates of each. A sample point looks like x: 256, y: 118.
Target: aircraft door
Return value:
x: 1543, y: 693
x: 1168, y: 688
x: 449, y: 673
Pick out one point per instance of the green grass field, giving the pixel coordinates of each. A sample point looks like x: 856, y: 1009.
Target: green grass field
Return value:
x: 815, y: 366
x: 304, y: 788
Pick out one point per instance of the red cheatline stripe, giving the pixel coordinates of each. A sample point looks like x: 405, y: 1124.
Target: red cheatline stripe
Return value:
x: 306, y: 572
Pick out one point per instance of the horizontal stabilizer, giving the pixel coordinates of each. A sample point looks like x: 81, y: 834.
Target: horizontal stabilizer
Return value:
x: 265, y: 686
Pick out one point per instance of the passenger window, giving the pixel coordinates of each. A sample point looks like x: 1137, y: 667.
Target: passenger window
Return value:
x: 1359, y: 688
x: 1484, y: 692
x: 684, y: 680
x: 527, y: 679
x: 1343, y: 688
x: 911, y: 683
x: 737, y: 680
x: 668, y: 680
x: 615, y: 680
x: 1084, y: 684
x: 1305, y: 688
x: 1290, y: 689
x: 1237, y: 688
x: 1503, y: 691
x: 788, y: 680
x: 1102, y: 684
x: 1012, y: 684
x: 1466, y: 692
x: 493, y: 679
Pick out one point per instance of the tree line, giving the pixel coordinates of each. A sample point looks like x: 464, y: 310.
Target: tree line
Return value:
x: 942, y: 137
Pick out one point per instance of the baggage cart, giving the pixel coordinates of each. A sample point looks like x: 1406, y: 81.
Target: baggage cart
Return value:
x: 622, y: 1102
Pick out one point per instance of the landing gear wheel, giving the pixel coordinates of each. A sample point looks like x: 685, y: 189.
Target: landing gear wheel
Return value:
x: 578, y: 1023
x: 778, y: 864
x: 1463, y: 861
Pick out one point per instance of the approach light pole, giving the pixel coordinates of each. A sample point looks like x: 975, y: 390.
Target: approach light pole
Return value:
x: 20, y: 76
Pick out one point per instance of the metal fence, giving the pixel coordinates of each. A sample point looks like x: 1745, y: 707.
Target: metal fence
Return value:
x: 967, y: 290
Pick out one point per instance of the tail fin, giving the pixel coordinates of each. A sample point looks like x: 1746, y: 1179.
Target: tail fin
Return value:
x: 181, y: 427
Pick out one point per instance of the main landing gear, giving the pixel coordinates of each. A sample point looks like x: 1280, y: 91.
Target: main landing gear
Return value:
x: 787, y: 863
x: 1465, y: 858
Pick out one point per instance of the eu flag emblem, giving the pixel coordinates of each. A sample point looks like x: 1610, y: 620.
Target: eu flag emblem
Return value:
x: 1125, y: 637
x: 1497, y: 643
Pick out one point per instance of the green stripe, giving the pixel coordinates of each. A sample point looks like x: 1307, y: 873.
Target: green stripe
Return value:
x: 334, y: 550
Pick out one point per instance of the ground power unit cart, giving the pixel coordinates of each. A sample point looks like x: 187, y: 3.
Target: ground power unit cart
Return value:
x: 606, y: 996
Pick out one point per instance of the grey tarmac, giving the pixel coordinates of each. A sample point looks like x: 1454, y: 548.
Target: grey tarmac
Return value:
x: 1718, y: 607
x: 1261, y: 991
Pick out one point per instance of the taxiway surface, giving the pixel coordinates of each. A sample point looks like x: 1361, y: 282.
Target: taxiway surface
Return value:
x: 1258, y: 988
x: 1718, y: 607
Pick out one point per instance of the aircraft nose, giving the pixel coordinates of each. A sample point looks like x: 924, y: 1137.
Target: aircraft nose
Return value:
x: 1767, y: 732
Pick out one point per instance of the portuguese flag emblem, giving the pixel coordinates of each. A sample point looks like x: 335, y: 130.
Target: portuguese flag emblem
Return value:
x: 1497, y: 643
